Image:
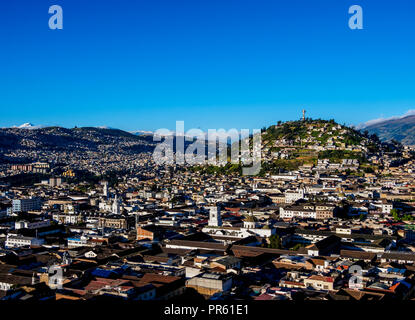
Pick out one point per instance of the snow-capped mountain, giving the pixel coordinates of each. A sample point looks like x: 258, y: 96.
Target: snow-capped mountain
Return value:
x: 141, y: 132
x: 29, y: 126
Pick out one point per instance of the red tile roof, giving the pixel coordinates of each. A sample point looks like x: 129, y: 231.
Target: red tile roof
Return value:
x: 321, y: 278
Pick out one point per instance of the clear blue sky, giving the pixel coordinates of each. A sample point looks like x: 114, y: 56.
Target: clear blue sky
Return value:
x: 142, y: 65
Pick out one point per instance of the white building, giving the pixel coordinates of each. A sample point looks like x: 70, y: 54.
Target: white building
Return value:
x: 250, y: 227
x: 298, y: 212
x: 116, y: 206
x: 24, y: 205
x: 293, y: 196
x: 55, y: 181
x: 67, y: 218
x: 77, y: 242
x: 14, y: 241
x: 31, y: 225
x: 387, y: 207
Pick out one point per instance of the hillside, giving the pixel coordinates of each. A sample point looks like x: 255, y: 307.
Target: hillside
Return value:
x: 401, y: 129
x: 322, y: 144
x: 325, y: 146
x: 21, y: 143
x: 28, y: 143
x: 312, y: 133
x: 292, y: 144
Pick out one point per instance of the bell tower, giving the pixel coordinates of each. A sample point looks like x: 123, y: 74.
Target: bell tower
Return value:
x: 215, y: 219
x: 116, y: 206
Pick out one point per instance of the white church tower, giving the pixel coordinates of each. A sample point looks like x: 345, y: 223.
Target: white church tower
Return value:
x: 250, y: 221
x: 105, y: 188
x: 116, y: 206
x: 215, y: 219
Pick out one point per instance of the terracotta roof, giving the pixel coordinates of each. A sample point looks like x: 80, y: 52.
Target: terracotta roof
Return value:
x: 318, y: 262
x: 321, y: 278
x: 361, y: 255
x: 157, y: 278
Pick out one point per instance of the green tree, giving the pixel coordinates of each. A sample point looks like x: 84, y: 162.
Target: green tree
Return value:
x: 275, y: 242
x: 407, y: 217
x: 395, y: 215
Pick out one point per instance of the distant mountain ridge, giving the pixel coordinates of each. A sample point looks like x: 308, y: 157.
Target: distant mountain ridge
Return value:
x: 28, y: 125
x: 19, y: 144
x: 400, y: 129
x: 73, y: 141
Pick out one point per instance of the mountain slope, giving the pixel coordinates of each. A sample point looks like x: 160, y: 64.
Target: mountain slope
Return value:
x: 290, y: 145
x: 76, y: 140
x: 22, y: 145
x: 401, y: 129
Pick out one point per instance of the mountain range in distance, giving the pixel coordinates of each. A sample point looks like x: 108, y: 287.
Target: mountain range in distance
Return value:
x: 18, y: 144
x: 27, y: 138
x: 30, y: 126
x: 401, y: 129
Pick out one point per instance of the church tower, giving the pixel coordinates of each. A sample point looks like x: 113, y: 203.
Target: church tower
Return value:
x: 250, y: 221
x: 105, y: 188
x: 215, y: 219
x: 116, y: 206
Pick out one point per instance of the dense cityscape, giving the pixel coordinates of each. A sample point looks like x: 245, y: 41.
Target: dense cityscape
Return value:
x: 207, y: 159
x: 330, y: 216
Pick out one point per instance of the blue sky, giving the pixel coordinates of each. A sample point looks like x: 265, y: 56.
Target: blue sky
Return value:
x: 142, y: 65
